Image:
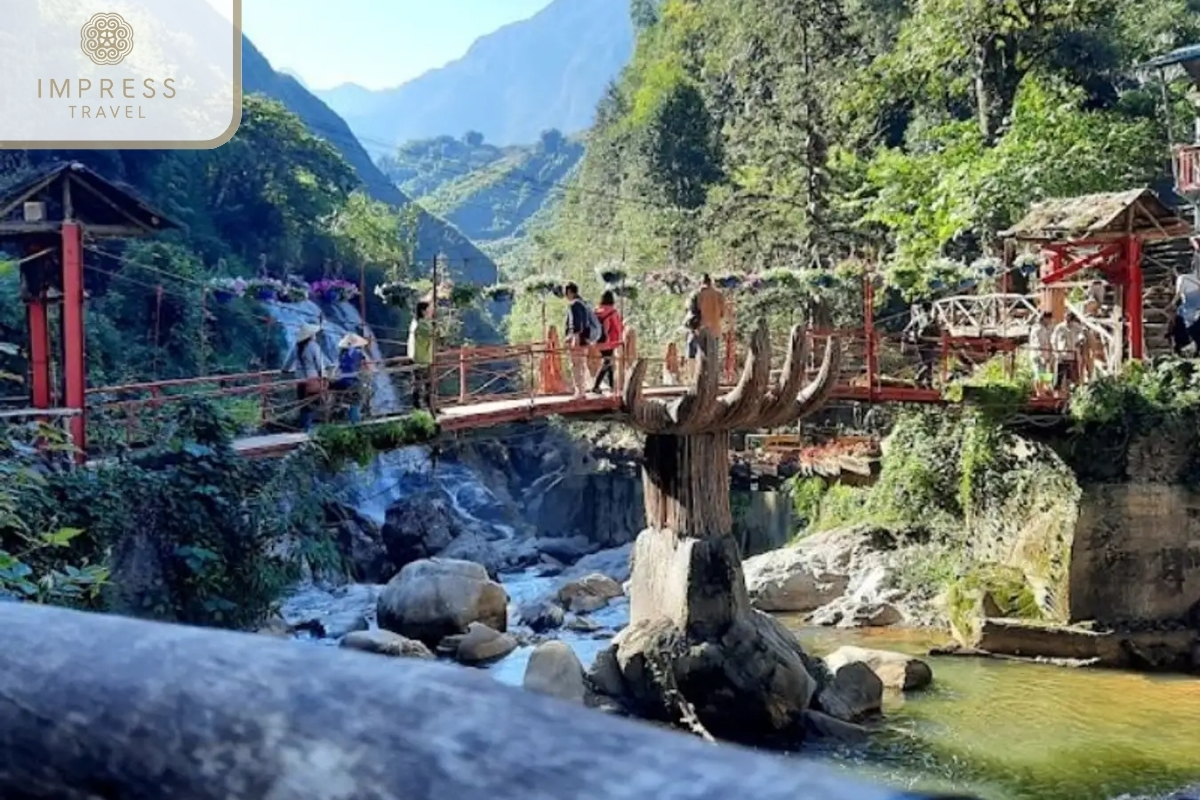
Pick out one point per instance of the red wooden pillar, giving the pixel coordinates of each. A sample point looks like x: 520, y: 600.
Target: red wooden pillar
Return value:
x: 869, y: 330
x: 74, y: 371
x: 1133, y: 297
x: 39, y: 352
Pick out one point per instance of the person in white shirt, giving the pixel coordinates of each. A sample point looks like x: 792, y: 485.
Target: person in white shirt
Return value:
x: 1186, y: 328
x: 1041, y: 350
x: 1067, y: 340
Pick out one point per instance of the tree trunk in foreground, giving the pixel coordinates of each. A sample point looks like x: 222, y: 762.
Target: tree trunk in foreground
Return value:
x: 98, y: 706
x: 695, y: 651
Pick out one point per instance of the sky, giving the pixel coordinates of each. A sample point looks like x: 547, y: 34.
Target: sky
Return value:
x: 374, y: 43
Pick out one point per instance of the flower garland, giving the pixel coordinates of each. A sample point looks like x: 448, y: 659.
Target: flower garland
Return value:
x: 672, y: 281
x: 333, y: 290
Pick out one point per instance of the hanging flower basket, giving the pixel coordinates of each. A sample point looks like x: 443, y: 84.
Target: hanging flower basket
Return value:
x: 396, y: 293
x: 264, y: 289
x: 730, y: 281
x: 672, y: 281
x: 937, y: 284
x: 500, y: 293
x: 334, y: 290
x: 783, y: 278
x: 967, y: 283
x: 986, y: 266
x: 610, y: 273
x: 544, y: 285
x: 226, y: 289
x: 1028, y: 264
x: 292, y: 292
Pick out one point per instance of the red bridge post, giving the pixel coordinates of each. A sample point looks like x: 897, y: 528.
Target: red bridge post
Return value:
x: 74, y: 370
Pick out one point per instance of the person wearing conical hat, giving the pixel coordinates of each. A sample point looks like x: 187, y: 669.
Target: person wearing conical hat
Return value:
x: 352, y: 358
x: 308, y: 362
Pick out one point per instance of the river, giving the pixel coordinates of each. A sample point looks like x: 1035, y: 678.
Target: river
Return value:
x: 994, y: 729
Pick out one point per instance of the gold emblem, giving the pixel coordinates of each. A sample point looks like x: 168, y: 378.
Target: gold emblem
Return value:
x: 106, y: 39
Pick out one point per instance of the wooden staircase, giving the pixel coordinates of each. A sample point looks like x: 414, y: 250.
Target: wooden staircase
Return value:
x: 1160, y: 263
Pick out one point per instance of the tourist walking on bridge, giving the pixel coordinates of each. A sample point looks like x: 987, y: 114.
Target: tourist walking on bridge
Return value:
x: 352, y: 359
x: 308, y: 361
x: 582, y: 330
x: 705, y: 311
x: 1041, y: 351
x: 613, y: 328
x: 1185, y: 327
x: 1067, y: 340
x: 420, y: 350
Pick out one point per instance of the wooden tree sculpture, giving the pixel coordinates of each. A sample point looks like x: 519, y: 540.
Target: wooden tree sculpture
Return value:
x: 695, y: 651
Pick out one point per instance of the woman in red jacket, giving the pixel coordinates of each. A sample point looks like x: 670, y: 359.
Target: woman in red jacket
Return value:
x: 614, y: 329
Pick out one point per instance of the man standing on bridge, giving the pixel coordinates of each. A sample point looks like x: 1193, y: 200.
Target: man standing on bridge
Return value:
x: 579, y: 333
x: 420, y: 350
x: 705, y: 311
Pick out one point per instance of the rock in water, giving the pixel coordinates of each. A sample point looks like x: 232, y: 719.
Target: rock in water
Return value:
x: 854, y: 693
x: 541, y: 615
x: 897, y: 670
x: 385, y: 643
x: 479, y: 645
x: 789, y: 580
x: 554, y: 669
x: 435, y: 598
x: 589, y: 593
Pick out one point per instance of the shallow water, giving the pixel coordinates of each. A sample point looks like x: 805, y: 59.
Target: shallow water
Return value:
x: 1004, y: 730
x: 996, y: 730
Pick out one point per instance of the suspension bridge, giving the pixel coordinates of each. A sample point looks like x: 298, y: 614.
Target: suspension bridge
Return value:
x: 1122, y: 248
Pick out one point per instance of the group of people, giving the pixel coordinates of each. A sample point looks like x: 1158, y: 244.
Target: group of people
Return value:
x: 344, y: 382
x: 1057, y: 351
x: 585, y: 327
x: 604, y: 327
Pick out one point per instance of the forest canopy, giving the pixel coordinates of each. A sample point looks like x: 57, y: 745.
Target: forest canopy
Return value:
x: 754, y: 134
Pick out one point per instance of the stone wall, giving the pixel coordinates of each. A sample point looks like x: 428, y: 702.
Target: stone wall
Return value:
x: 1136, y: 554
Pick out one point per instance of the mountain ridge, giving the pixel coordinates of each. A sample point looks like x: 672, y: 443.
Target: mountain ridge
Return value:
x: 545, y: 72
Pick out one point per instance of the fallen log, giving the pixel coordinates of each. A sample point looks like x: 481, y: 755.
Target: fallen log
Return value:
x: 96, y: 706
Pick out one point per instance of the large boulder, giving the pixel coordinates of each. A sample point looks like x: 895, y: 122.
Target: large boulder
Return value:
x: 790, y: 579
x: 421, y: 525
x: 555, y: 670
x: 589, y: 593
x: 385, y: 643
x: 434, y: 598
x: 897, y: 671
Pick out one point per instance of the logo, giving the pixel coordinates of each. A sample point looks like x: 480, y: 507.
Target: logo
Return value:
x: 106, y: 39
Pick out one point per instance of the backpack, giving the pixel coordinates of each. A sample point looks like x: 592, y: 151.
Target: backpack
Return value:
x: 595, y: 331
x: 349, y: 361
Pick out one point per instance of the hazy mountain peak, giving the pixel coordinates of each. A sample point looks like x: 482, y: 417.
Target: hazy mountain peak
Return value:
x: 548, y: 71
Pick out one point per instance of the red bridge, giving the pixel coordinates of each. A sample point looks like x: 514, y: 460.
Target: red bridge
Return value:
x: 1121, y: 247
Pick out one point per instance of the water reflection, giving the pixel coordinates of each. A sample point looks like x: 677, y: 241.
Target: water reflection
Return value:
x: 1005, y: 730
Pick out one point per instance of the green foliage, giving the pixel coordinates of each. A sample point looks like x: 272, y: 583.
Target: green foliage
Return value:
x: 1139, y: 399
x: 37, y: 561
x: 753, y: 135
x: 358, y: 444
x: 496, y: 196
x: 997, y: 389
x: 1008, y: 592
x: 193, y: 532
x: 277, y: 199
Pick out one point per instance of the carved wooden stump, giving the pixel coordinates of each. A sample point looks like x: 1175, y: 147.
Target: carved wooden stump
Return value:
x: 695, y: 651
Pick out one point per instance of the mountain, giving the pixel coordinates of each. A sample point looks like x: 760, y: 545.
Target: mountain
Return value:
x: 433, y: 235
x: 494, y: 195
x: 548, y: 71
